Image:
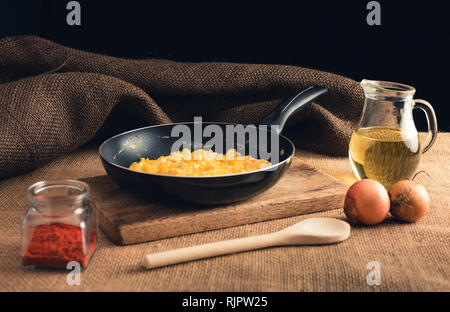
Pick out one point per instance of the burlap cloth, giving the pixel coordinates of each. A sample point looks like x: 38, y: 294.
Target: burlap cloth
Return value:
x: 412, y: 257
x: 54, y: 99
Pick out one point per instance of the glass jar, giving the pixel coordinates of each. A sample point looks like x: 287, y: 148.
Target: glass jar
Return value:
x: 59, y: 227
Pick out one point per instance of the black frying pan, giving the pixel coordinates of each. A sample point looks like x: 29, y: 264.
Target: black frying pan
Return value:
x: 118, y: 152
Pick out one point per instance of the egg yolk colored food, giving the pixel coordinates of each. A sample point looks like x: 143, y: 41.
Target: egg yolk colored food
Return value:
x: 200, y: 163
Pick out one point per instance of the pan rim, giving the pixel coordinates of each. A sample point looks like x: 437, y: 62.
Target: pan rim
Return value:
x: 272, y: 167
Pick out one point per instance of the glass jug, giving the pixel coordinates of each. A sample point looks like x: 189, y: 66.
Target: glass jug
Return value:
x: 385, y: 145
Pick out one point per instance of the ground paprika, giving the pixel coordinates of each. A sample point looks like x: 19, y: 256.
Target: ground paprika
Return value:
x: 56, y: 244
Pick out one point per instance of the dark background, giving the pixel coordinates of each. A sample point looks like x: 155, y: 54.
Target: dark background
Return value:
x: 411, y: 46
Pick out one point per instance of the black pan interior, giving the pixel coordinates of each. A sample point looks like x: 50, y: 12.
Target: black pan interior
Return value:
x: 153, y: 142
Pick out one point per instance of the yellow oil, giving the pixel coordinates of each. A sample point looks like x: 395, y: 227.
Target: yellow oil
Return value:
x: 386, y: 155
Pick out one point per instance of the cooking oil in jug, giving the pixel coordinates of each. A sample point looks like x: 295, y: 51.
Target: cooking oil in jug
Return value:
x: 384, y: 154
x: 385, y: 145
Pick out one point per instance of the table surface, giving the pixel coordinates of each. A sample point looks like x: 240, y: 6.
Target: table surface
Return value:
x: 410, y: 257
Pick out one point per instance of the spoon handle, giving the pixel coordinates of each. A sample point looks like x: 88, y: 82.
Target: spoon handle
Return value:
x: 208, y: 250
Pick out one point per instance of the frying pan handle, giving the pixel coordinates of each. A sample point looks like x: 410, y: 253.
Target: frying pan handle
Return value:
x: 292, y: 105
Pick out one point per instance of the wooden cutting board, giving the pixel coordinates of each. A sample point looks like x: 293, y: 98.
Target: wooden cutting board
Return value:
x: 127, y: 219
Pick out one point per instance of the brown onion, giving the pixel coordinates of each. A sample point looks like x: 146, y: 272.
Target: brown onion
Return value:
x: 366, y: 202
x: 409, y: 201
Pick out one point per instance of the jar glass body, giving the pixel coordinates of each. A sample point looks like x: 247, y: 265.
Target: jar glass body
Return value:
x: 60, y: 227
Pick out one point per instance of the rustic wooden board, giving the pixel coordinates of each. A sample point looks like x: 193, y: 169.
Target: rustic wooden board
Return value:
x: 127, y: 219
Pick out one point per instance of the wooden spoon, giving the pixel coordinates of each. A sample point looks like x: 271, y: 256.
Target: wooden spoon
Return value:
x: 313, y: 231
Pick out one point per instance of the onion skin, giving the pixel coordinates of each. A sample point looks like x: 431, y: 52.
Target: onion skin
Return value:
x: 366, y: 202
x: 409, y: 201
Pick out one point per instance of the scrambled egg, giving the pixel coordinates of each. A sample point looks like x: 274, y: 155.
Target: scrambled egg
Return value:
x: 200, y: 163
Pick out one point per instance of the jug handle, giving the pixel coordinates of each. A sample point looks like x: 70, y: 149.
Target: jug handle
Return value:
x: 431, y: 121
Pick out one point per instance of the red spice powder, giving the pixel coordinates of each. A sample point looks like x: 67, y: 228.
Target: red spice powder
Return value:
x: 54, y: 245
